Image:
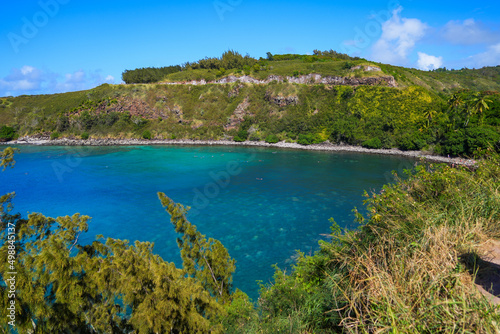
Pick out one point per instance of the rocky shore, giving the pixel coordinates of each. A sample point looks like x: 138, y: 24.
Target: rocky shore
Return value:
x: 326, y: 146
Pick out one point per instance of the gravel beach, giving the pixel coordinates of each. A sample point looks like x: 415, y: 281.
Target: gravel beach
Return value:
x: 326, y: 146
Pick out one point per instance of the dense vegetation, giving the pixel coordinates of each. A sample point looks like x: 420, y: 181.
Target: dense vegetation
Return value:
x: 411, y: 118
x: 147, y: 75
x: 230, y: 60
x: 408, y: 268
x: 442, y: 112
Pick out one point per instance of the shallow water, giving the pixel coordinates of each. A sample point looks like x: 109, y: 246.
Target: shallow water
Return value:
x: 262, y: 204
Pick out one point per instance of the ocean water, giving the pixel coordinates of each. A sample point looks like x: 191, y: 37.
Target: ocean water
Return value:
x: 262, y: 204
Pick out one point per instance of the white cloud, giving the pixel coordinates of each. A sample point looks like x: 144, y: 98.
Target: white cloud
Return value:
x: 22, y: 79
x: 399, y: 36
x: 468, y: 32
x: 31, y: 80
x: 76, y: 77
x: 427, y: 62
x: 489, y: 58
x: 25, y: 70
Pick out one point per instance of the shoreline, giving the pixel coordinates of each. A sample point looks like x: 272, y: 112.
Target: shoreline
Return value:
x: 326, y: 146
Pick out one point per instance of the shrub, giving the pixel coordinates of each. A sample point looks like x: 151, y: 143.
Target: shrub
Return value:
x: 221, y: 72
x: 6, y: 133
x: 412, y: 142
x: 308, y: 139
x: 481, y: 137
x: 146, y: 134
x: 125, y: 116
x: 347, y: 65
x: 54, y: 135
x: 62, y: 123
x: 305, y: 140
x: 373, y: 143
x: 109, y: 119
x: 139, y: 122
x: 238, y: 139
x: 255, y: 136
x: 387, y: 141
x: 85, y: 136
x: 272, y: 139
x: 86, y: 120
x: 454, y: 143
x: 241, y: 136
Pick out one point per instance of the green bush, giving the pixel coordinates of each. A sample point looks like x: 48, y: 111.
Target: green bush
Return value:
x: 125, y: 116
x: 481, y: 137
x: 85, y: 136
x: 109, y: 119
x: 308, y: 139
x: 255, y: 136
x: 238, y: 139
x: 62, y: 123
x: 305, y: 140
x: 54, y: 135
x: 86, y: 120
x: 6, y: 133
x: 373, y: 143
x: 241, y: 136
x: 272, y: 139
x: 412, y: 142
x: 146, y: 134
x: 221, y: 72
x: 454, y: 143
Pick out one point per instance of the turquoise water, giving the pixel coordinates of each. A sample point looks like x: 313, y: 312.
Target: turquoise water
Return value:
x: 262, y: 204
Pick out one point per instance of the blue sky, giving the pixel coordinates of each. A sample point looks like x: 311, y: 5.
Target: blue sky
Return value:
x: 52, y: 46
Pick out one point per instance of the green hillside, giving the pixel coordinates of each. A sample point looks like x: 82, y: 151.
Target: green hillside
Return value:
x: 296, y: 98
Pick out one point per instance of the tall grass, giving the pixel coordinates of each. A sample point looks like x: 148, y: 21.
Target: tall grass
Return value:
x: 410, y: 266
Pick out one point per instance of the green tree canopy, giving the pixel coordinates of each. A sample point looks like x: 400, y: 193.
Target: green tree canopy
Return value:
x: 206, y: 260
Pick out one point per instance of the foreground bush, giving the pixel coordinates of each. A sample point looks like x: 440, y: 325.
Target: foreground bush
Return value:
x: 108, y: 286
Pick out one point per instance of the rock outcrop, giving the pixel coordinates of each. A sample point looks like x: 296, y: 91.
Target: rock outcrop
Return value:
x: 281, y: 100
x: 238, y: 116
x: 386, y: 80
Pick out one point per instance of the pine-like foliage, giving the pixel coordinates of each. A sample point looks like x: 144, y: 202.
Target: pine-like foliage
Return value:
x: 105, y: 287
x: 206, y: 260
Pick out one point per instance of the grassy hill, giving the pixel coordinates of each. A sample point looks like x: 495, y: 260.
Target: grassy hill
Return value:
x: 351, y: 101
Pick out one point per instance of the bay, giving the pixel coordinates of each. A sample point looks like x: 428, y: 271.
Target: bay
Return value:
x: 262, y: 204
